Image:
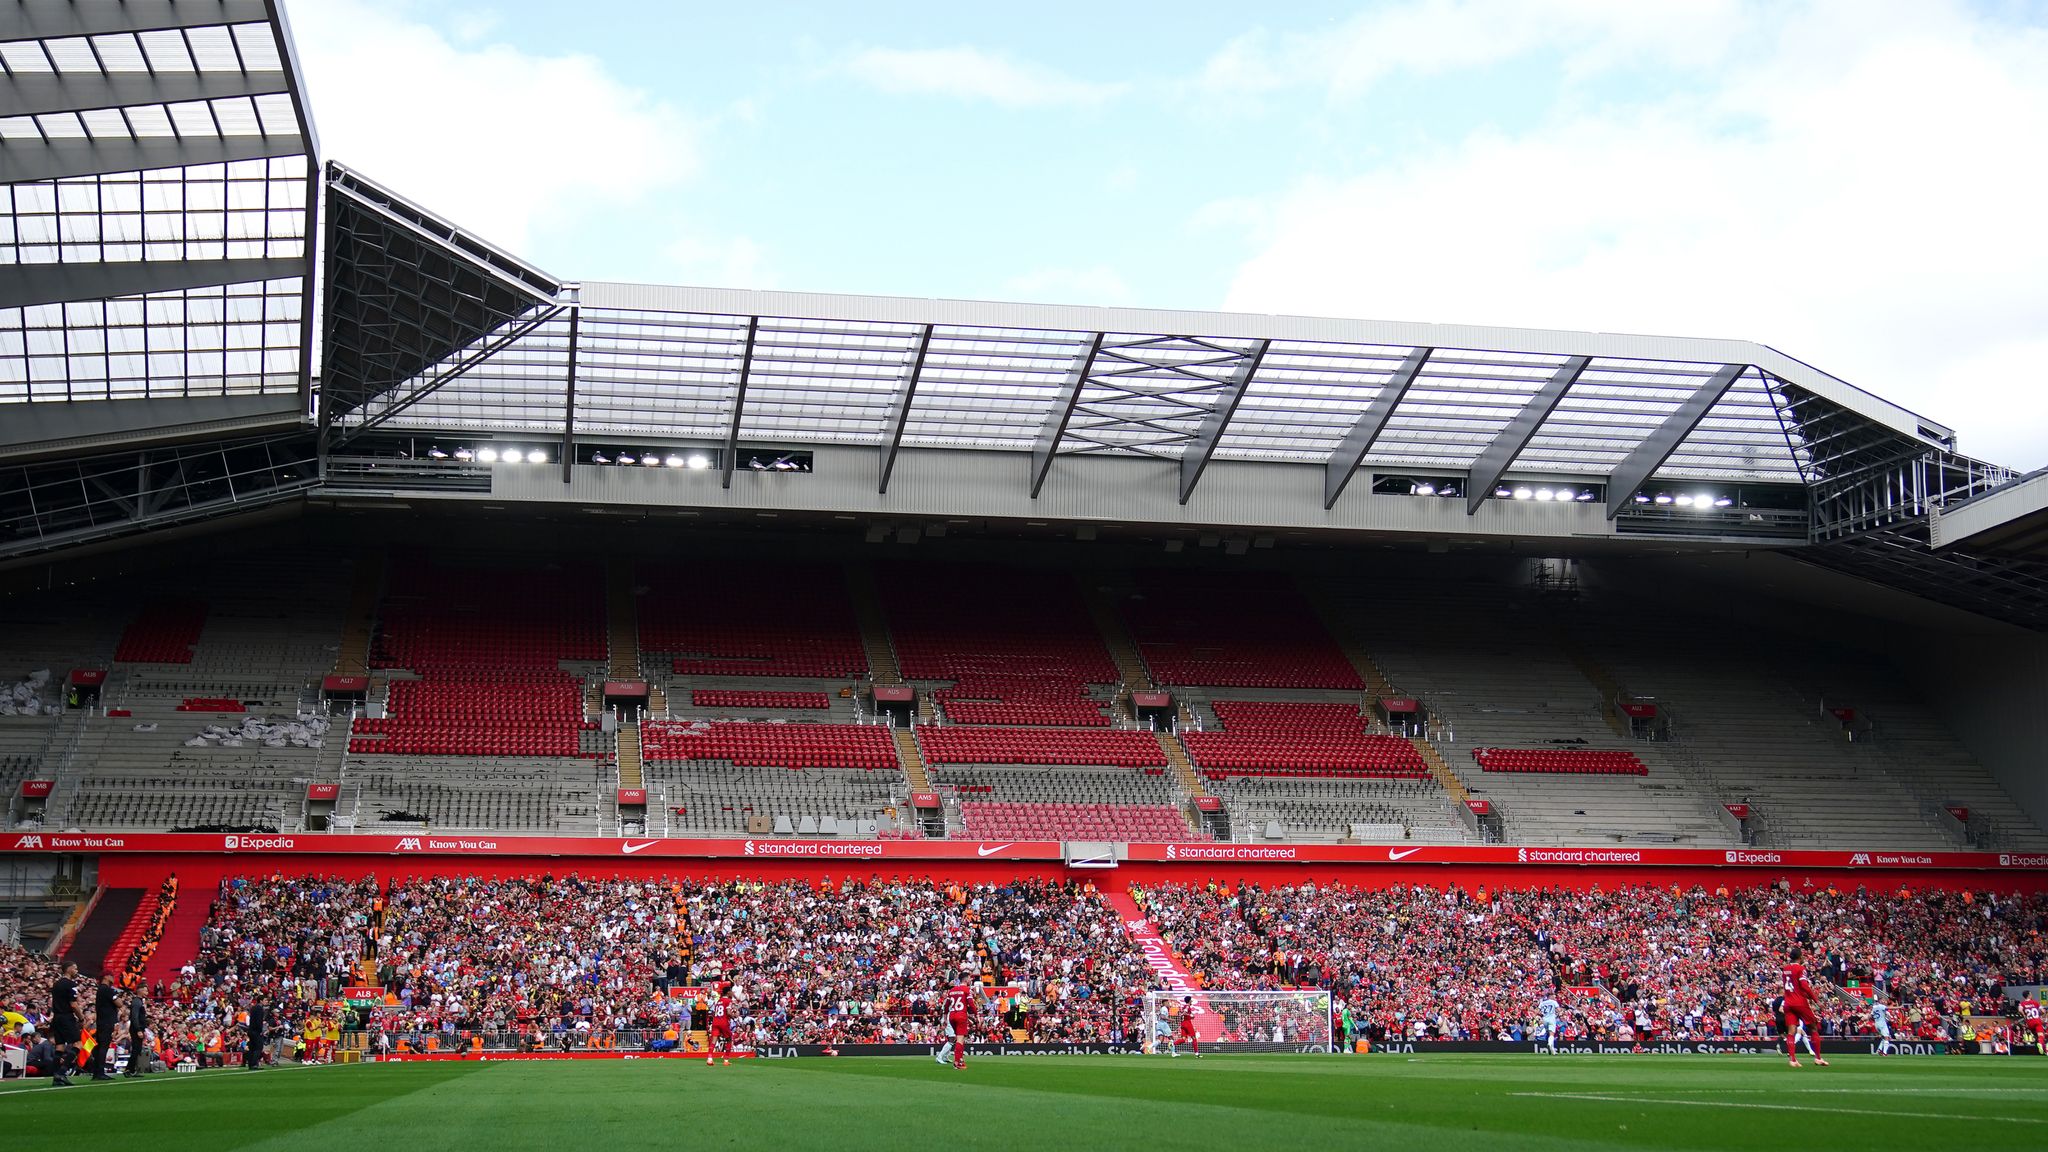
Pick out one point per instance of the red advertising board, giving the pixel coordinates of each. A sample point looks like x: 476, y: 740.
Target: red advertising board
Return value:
x: 322, y: 791
x: 345, y: 684
x: 1845, y: 715
x: 37, y: 789
x: 1208, y: 804
x: 895, y: 693
x: 1151, y: 699
x: 86, y: 677
x: 1639, y: 710
x: 1739, y: 811
x: 766, y: 848
x: 1396, y: 705
x: 625, y: 688
x: 924, y: 799
x: 1959, y: 812
x: 629, y: 797
x: 1480, y: 807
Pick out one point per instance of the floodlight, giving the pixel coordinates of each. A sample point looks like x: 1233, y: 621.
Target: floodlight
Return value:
x: 464, y: 455
x: 1683, y: 500
x: 651, y: 459
x: 1723, y: 502
x: 435, y: 453
x: 1663, y: 497
x: 1641, y: 499
x: 1501, y: 493
x: 1587, y: 497
x: 699, y: 461
x: 1545, y: 494
x: 674, y: 461
x: 599, y: 458
x: 488, y: 455
x: 628, y: 458
x: 1523, y: 494
x: 1425, y: 489
x: 537, y: 456
x: 1703, y: 500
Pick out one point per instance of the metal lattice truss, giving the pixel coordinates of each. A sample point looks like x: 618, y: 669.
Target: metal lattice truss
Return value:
x: 626, y: 361
x: 157, y: 205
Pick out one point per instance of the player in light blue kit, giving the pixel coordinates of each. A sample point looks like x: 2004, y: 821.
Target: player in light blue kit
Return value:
x: 1881, y: 1019
x: 1547, y: 1008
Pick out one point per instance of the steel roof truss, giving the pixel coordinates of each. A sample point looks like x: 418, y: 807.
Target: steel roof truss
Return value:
x: 1497, y: 457
x: 1359, y: 440
x: 1649, y: 455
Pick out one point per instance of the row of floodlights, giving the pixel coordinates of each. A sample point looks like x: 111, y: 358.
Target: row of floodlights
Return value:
x: 1558, y: 495
x: 491, y: 454
x: 1697, y: 501
x: 695, y: 461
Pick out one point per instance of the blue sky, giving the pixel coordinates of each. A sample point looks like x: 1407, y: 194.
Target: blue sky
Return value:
x: 1851, y: 182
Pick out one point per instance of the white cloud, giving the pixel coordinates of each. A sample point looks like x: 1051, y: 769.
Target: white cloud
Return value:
x: 1861, y: 192
x: 1430, y: 37
x: 970, y: 73
x: 497, y: 139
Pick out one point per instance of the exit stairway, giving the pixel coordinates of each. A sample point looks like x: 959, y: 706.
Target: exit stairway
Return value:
x: 874, y: 625
x: 366, y: 586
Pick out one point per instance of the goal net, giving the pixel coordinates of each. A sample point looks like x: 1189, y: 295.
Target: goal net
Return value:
x: 1229, y: 1021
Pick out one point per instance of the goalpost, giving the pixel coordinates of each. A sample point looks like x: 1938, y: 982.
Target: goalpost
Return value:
x: 1296, y: 1020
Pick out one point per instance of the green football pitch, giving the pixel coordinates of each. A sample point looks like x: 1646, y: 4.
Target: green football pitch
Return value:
x: 1242, y: 1103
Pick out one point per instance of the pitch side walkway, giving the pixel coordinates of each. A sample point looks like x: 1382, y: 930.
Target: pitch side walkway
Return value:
x: 1171, y: 973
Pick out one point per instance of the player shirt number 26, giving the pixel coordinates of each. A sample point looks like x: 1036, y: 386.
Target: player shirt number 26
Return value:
x: 956, y: 1001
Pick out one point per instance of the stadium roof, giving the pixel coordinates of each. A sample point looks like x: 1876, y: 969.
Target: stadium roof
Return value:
x: 162, y: 190
x: 2010, y: 520
x: 156, y: 216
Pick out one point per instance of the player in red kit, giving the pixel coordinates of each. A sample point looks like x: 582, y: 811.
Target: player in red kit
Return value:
x: 1187, y: 1027
x: 720, y: 1039
x: 2033, y: 1025
x: 1799, y: 1011
x: 957, y: 1009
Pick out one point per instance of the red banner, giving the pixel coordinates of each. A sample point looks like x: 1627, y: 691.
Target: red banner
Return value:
x: 1480, y: 807
x: 87, y: 677
x: 1208, y: 804
x: 1739, y: 811
x: 1395, y: 705
x: 895, y: 693
x: 1151, y: 699
x: 1845, y: 715
x: 1959, y: 812
x: 322, y: 791
x: 37, y: 789
x: 625, y: 688
x: 632, y: 796
x: 766, y: 848
x: 345, y: 684
x: 924, y: 799
x: 1638, y: 710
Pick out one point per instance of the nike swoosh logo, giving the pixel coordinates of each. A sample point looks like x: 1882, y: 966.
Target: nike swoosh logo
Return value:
x: 632, y: 848
x: 1401, y: 853
x: 980, y: 851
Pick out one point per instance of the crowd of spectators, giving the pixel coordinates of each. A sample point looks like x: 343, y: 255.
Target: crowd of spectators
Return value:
x: 1631, y: 963
x: 571, y: 960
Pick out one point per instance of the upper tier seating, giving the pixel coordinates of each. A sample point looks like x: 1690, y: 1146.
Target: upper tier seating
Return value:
x: 1279, y: 738
x: 1017, y: 644
x: 163, y: 633
x: 1583, y: 761
x: 1118, y: 748
x: 741, y: 698
x: 732, y: 619
x: 770, y: 745
x: 488, y: 645
x: 1242, y: 630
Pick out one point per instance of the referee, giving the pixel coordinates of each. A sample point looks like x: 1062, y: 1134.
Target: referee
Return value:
x: 105, y: 1008
x: 65, y: 1027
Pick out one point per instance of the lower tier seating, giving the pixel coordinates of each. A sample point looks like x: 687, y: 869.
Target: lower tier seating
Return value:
x: 770, y: 744
x: 743, y: 698
x: 1134, y: 823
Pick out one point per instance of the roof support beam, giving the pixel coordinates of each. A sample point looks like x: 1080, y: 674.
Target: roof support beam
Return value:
x: 899, y: 408
x: 1055, y: 429
x: 1359, y: 441
x: 569, y: 400
x: 1657, y: 447
x: 25, y: 161
x: 56, y: 19
x: 27, y: 284
x: 42, y: 93
x: 739, y: 405
x: 1498, y: 456
x: 1195, y: 458
x: 456, y: 373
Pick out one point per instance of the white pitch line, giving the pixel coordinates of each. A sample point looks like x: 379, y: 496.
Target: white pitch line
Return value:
x: 205, y: 1076
x: 1778, y: 1107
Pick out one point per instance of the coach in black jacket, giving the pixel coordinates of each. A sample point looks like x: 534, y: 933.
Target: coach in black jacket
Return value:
x: 105, y: 1009
x: 138, y: 1034
x: 259, y: 1034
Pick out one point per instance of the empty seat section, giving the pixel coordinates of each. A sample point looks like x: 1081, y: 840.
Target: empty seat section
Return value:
x: 770, y: 744
x: 1241, y: 629
x: 162, y: 633
x: 731, y: 619
x: 741, y: 698
x: 1127, y: 823
x: 970, y: 745
x: 1018, y: 645
x: 1281, y: 738
x: 1580, y: 761
x: 488, y: 646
